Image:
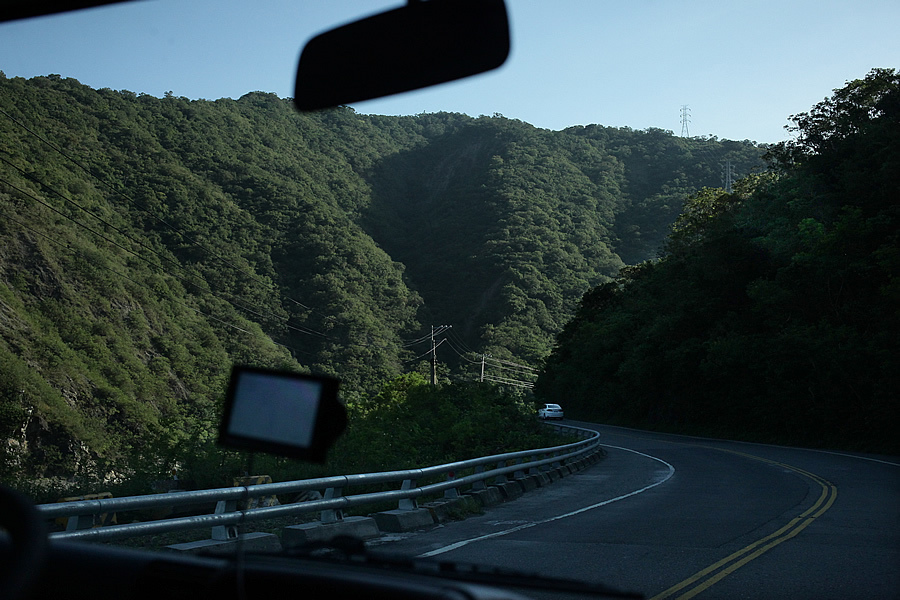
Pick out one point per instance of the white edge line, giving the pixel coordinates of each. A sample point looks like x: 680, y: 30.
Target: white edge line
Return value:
x: 462, y: 543
x: 708, y: 439
x: 877, y: 460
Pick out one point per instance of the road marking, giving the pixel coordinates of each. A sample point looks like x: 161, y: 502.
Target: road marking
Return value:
x: 460, y: 544
x: 877, y: 460
x: 709, y: 439
x: 714, y: 573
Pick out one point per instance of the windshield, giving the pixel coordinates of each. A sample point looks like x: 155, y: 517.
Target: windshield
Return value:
x: 654, y: 221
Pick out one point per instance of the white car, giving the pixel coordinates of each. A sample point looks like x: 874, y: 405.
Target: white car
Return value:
x: 550, y: 411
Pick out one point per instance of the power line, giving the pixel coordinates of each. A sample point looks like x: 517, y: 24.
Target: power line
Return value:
x: 66, y: 246
x: 435, y: 332
x: 427, y: 336
x: 506, y: 362
x: 116, y: 244
x: 461, y: 353
x: 420, y: 356
x: 512, y: 382
x: 461, y: 342
x: 143, y: 208
x: 234, y: 301
x: 187, y: 236
x: 485, y: 376
x: 486, y: 360
x: 512, y: 371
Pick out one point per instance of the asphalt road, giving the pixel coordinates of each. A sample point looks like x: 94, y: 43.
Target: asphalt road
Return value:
x: 677, y: 517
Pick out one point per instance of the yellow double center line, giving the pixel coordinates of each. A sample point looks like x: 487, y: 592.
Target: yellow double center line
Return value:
x: 714, y: 573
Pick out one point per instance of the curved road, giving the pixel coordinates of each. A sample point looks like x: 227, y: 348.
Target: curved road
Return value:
x: 677, y: 517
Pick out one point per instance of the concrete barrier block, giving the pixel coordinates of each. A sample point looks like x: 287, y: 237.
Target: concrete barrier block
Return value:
x: 398, y: 521
x: 489, y: 496
x: 510, y: 490
x: 250, y: 542
x: 304, y: 533
x: 542, y: 479
x: 528, y: 483
x: 452, y: 509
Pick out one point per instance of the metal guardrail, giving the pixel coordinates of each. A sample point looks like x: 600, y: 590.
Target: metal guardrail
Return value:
x: 227, y: 515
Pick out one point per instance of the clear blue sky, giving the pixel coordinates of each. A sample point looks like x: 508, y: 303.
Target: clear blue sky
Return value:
x: 742, y: 67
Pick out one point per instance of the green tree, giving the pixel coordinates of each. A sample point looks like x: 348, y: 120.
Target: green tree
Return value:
x: 773, y: 313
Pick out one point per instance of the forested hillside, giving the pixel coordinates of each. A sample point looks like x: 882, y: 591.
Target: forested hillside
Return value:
x: 146, y: 244
x: 774, y: 314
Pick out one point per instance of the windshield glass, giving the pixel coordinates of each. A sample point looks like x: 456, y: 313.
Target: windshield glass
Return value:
x: 655, y: 220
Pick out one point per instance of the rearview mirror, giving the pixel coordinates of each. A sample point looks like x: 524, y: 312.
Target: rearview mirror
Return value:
x: 418, y: 45
x: 283, y: 413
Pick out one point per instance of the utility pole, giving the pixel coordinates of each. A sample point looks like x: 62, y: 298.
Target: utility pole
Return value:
x: 434, y: 353
x: 685, y: 119
x: 433, y: 359
x: 483, y: 356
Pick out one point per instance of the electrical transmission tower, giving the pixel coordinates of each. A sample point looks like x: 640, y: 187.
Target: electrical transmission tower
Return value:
x: 728, y: 175
x: 685, y: 119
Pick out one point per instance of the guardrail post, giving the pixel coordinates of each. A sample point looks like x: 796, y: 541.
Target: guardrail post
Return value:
x: 479, y: 485
x: 452, y: 492
x: 519, y: 474
x: 501, y: 478
x: 545, y: 467
x: 408, y: 503
x: 225, y: 532
x: 79, y: 522
x: 332, y: 515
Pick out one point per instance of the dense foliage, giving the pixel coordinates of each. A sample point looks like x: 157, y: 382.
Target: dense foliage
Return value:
x: 407, y: 424
x: 146, y: 244
x: 774, y: 312
x: 410, y: 423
